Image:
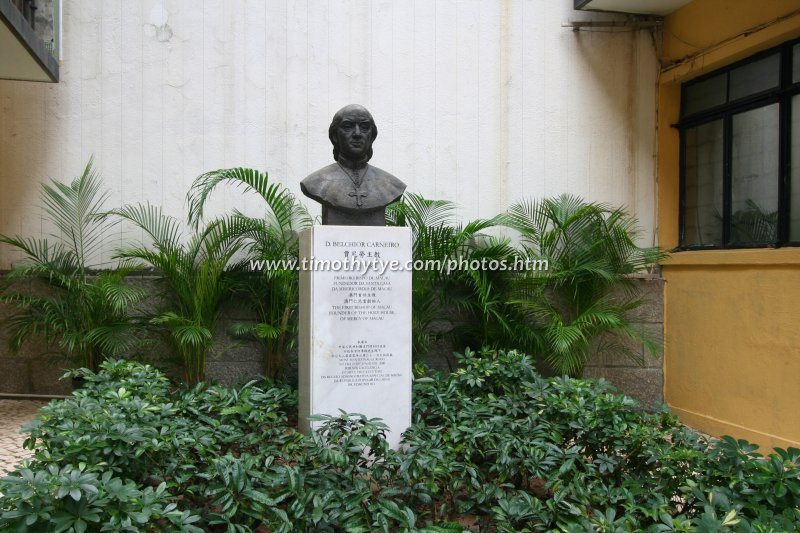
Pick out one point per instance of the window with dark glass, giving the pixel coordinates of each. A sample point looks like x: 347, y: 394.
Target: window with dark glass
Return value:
x: 740, y: 154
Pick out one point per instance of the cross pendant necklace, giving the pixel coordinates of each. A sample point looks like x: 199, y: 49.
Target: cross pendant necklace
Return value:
x: 357, y: 181
x: 358, y: 196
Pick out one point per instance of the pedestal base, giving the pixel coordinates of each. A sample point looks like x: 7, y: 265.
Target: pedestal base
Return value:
x: 355, y: 324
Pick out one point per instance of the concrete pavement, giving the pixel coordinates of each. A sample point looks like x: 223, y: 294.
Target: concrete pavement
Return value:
x: 13, y: 414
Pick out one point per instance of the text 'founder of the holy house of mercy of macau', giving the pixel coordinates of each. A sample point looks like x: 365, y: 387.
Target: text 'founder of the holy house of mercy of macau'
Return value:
x: 352, y: 192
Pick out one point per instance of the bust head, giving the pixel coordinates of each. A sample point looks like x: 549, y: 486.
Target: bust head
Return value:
x: 352, y: 132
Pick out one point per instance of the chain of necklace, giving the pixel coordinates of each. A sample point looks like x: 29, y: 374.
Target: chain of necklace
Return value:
x: 354, y: 177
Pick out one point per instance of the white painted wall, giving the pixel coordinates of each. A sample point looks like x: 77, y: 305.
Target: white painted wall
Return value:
x: 480, y: 102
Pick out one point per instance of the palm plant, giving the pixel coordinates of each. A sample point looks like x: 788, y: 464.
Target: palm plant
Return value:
x: 271, y: 293
x: 753, y: 224
x: 83, y: 316
x: 465, y: 304
x: 194, y: 276
x: 581, y: 302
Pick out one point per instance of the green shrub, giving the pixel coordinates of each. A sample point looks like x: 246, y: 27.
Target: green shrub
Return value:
x: 272, y: 293
x: 458, y: 305
x: 493, y: 447
x: 57, y: 293
x: 581, y: 304
x: 577, y: 307
x: 194, y: 275
x: 82, y: 499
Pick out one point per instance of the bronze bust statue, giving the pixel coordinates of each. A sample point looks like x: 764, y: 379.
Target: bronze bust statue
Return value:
x: 352, y: 192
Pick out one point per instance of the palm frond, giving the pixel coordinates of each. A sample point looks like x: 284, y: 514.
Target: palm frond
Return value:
x: 283, y: 208
x: 272, y: 236
x: 258, y: 331
x: 76, y: 302
x: 591, y: 250
x: 164, y: 230
x: 418, y: 212
x: 76, y: 210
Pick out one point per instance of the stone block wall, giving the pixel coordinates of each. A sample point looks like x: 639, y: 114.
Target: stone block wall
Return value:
x: 36, y: 370
x: 643, y: 383
x: 232, y: 361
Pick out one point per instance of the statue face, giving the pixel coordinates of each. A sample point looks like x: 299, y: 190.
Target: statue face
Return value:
x: 354, y: 134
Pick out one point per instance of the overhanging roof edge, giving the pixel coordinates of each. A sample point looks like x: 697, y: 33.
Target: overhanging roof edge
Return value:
x: 17, y: 24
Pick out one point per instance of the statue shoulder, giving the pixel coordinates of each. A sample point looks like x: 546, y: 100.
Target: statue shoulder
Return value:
x: 331, y: 186
x: 318, y: 176
x: 314, y: 184
x: 391, y: 185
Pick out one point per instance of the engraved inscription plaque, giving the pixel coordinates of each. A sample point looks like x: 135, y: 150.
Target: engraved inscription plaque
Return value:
x: 355, y: 324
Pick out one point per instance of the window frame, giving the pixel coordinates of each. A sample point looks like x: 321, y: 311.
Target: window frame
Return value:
x: 782, y: 95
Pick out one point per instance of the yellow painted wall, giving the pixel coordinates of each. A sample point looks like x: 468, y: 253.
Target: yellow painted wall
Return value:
x: 731, y: 317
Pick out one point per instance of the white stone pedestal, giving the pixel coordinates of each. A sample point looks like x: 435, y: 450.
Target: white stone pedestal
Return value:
x: 355, y: 324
